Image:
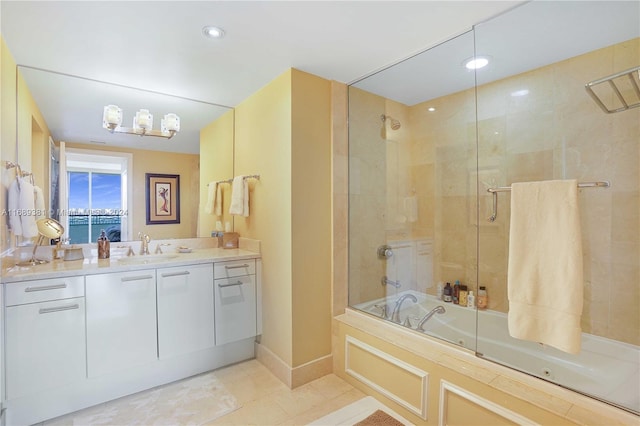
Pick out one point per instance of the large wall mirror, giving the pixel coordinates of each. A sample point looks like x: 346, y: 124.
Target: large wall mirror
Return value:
x: 106, y: 173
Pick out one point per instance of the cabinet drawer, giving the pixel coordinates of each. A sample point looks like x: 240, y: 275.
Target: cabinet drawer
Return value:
x: 44, y: 290
x: 234, y: 268
x: 235, y: 312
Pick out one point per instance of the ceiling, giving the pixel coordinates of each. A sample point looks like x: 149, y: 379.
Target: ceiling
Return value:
x: 159, y: 46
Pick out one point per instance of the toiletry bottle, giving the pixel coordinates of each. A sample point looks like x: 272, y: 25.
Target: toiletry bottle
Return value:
x: 439, y: 291
x: 462, y: 295
x: 104, y: 250
x: 483, y: 298
x: 456, y: 292
x: 447, y: 293
x: 471, y: 300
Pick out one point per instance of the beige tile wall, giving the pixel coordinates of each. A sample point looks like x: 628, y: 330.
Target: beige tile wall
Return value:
x: 554, y: 132
x: 558, y: 132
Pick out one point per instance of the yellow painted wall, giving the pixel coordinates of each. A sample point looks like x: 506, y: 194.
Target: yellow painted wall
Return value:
x: 263, y: 146
x: 311, y: 216
x: 7, y: 127
x: 145, y: 161
x: 283, y: 133
x: 216, y: 154
x: 31, y: 129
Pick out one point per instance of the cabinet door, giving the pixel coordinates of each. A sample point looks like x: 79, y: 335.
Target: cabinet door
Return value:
x: 45, y: 345
x: 235, y: 309
x: 121, y: 321
x: 185, y: 309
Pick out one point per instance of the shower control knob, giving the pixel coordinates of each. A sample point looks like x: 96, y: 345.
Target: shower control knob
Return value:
x: 384, y: 252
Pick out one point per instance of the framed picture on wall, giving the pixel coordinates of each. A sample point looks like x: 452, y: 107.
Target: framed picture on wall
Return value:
x: 162, y: 198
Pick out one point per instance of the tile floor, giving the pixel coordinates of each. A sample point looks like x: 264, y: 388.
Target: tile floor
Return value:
x: 265, y: 400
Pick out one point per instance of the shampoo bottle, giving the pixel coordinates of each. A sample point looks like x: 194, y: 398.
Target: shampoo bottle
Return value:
x: 471, y: 300
x: 447, y: 292
x: 483, y: 298
x: 440, y: 290
x: 462, y: 295
x: 456, y: 292
x: 104, y: 249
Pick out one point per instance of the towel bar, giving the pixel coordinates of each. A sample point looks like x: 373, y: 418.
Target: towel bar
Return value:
x: 494, y: 192
x: 246, y: 177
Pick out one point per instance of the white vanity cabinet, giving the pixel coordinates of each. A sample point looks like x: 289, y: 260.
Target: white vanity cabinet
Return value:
x: 45, y: 335
x: 185, y: 309
x: 121, y: 321
x: 235, y: 300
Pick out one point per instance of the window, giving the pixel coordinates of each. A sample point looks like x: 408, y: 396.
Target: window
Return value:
x: 95, y: 203
x: 98, y: 195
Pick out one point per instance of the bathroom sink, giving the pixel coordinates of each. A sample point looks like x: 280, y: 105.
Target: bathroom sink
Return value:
x: 143, y: 259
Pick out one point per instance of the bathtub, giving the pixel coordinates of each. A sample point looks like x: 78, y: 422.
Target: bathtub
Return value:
x: 605, y: 369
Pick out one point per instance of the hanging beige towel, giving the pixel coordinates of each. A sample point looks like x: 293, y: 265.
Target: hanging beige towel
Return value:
x: 39, y: 203
x: 27, y: 207
x: 545, y: 283
x: 13, y: 203
x: 239, y: 196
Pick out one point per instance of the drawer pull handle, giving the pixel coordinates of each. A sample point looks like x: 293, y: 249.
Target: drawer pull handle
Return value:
x: 58, y: 309
x: 230, y: 284
x: 138, y: 278
x: 246, y: 265
x: 45, y: 287
x: 175, y: 274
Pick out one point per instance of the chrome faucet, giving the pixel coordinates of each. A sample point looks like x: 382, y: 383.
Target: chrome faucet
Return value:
x: 144, y: 246
x: 437, y: 310
x: 386, y: 281
x: 395, y: 315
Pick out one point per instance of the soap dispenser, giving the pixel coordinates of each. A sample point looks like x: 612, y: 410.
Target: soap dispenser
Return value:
x: 104, y: 249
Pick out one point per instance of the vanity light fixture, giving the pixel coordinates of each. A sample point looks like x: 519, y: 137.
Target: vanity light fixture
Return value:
x: 213, y: 32
x: 476, y: 62
x: 142, y: 123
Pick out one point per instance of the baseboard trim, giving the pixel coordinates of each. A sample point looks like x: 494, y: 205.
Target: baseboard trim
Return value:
x: 297, y: 376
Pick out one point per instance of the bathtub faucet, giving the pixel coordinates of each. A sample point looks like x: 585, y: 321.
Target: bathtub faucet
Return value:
x: 387, y: 281
x: 437, y: 310
x: 395, y: 315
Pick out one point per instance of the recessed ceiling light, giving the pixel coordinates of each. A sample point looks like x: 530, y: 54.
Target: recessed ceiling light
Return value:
x: 522, y: 92
x: 213, y: 32
x: 476, y: 62
x: 431, y: 109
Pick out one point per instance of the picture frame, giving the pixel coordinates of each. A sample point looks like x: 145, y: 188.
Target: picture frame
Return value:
x: 162, y: 198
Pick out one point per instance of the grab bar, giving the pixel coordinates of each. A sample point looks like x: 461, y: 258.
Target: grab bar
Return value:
x: 494, y: 193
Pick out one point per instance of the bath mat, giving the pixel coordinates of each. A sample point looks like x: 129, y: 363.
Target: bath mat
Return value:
x: 193, y: 401
x: 379, y: 418
x: 360, y: 411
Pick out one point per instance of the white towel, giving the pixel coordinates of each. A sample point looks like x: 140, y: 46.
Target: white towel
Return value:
x: 239, y: 196
x: 411, y: 208
x: 39, y: 203
x: 13, y: 200
x: 545, y: 282
x: 211, y: 193
x: 26, y: 206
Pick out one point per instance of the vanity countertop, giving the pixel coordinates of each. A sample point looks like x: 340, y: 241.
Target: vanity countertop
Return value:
x: 93, y: 265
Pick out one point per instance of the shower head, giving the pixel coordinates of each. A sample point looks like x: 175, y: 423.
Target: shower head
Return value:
x: 395, y: 124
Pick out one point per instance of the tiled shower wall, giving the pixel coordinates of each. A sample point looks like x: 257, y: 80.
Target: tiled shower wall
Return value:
x: 555, y: 131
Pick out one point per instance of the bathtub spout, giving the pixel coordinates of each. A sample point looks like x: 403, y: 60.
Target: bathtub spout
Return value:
x: 437, y: 310
x: 395, y: 315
